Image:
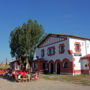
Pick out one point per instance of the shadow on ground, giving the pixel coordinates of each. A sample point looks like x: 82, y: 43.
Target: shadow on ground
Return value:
x: 6, y: 78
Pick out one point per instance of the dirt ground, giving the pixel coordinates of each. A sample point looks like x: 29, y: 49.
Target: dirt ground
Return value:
x: 41, y: 84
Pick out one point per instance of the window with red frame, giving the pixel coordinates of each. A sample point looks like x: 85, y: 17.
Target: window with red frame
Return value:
x: 61, y: 48
x: 42, y: 53
x: 77, y: 47
x: 51, y: 51
x: 65, y: 65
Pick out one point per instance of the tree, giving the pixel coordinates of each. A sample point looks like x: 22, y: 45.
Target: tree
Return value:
x: 24, y: 39
x: 45, y: 35
x: 16, y: 45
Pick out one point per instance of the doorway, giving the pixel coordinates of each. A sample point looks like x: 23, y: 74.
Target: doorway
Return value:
x: 51, y: 68
x: 58, y: 68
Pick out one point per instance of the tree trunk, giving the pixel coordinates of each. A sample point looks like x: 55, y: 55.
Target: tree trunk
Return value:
x: 30, y: 60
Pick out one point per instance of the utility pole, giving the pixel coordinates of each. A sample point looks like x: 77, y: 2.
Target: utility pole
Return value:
x: 6, y: 61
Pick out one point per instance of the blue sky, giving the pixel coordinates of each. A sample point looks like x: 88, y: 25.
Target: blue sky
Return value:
x: 56, y: 16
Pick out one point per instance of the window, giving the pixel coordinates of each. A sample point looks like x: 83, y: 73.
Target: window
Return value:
x: 65, y: 65
x: 35, y: 66
x: 77, y: 47
x: 86, y: 65
x: 51, y: 51
x: 42, y: 53
x: 44, y: 66
x: 61, y: 49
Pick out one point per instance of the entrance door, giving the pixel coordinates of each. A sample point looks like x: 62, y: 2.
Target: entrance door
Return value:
x: 51, y: 68
x: 58, y: 68
x: 44, y: 66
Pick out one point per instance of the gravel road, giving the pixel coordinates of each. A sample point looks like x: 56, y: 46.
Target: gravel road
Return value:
x: 40, y: 85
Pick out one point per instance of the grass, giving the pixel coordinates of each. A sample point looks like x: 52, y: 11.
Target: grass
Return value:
x: 80, y: 79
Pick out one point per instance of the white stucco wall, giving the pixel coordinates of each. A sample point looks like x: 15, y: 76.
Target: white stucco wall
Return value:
x: 85, y: 49
x: 69, y: 45
x: 83, y: 63
x: 57, y: 54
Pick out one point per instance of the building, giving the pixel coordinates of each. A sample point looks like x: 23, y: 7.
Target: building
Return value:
x: 19, y: 64
x: 63, y: 54
x: 14, y: 64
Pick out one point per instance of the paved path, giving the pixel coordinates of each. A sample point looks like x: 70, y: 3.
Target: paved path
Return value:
x: 40, y: 85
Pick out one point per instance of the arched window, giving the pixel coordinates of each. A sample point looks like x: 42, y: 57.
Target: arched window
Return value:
x: 65, y: 65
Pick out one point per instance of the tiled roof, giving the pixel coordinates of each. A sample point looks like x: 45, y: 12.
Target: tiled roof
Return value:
x: 86, y: 57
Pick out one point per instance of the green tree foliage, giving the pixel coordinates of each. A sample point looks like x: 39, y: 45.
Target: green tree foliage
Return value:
x: 44, y: 37
x: 24, y: 39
